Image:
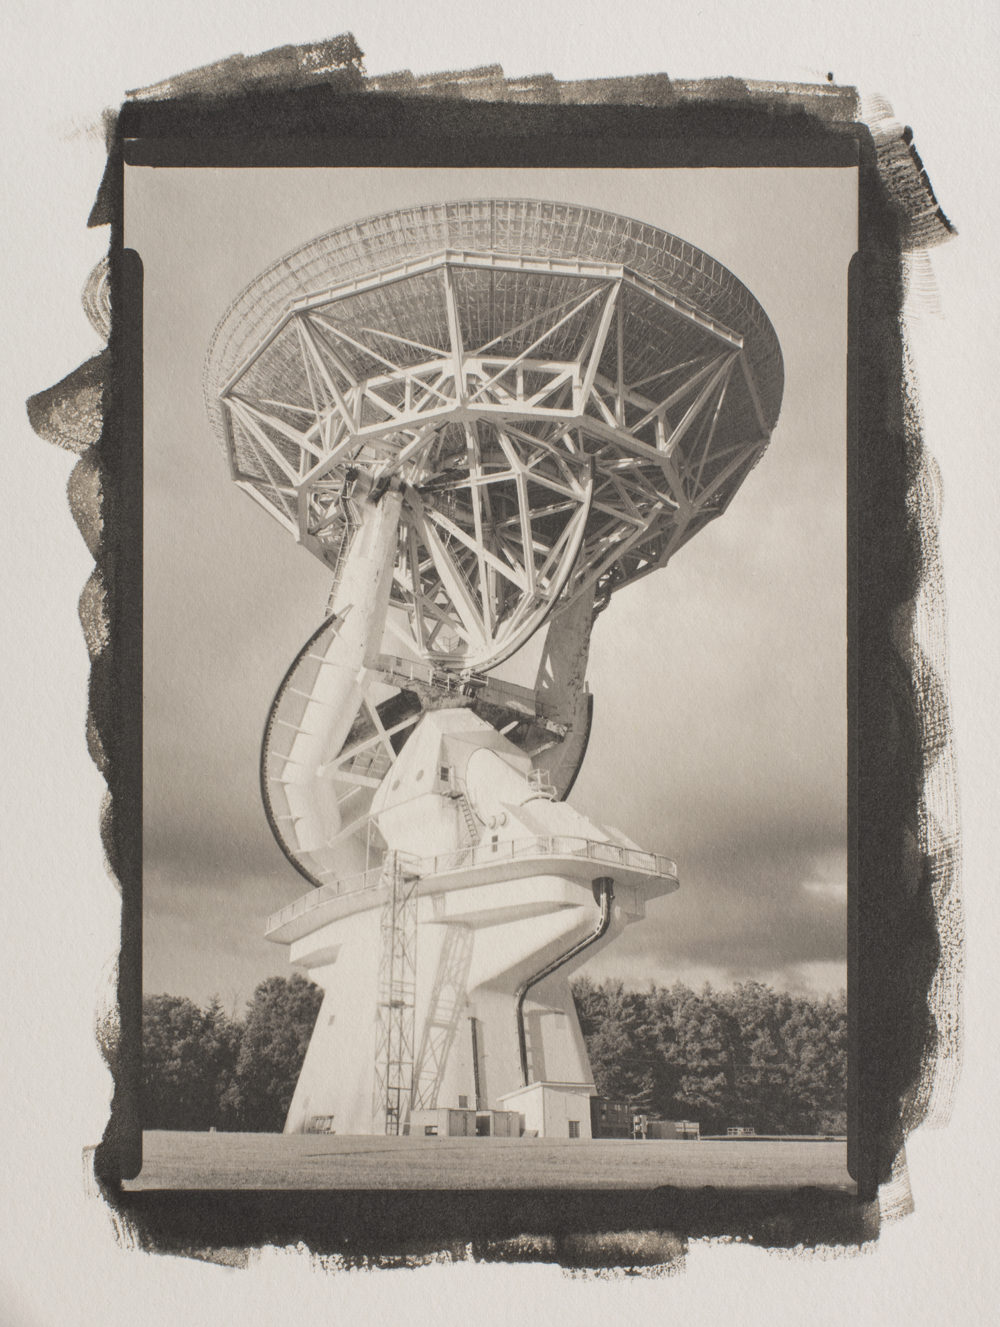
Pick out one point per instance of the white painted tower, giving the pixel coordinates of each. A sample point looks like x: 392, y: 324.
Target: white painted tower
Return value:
x: 485, y: 417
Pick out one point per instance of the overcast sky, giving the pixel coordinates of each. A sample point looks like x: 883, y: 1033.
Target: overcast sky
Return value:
x: 719, y: 683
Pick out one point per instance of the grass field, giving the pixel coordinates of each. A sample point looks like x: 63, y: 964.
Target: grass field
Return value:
x: 322, y: 1161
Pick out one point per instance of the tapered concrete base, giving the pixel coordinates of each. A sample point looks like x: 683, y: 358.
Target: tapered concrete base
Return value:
x: 488, y: 919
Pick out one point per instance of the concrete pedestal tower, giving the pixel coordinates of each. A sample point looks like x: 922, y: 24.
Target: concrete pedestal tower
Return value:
x: 485, y: 417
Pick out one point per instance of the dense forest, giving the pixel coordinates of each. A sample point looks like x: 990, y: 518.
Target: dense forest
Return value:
x: 749, y: 1056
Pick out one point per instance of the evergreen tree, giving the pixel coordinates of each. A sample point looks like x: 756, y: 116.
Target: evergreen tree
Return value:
x: 817, y: 1040
x: 706, y: 1063
x: 222, y: 1039
x: 180, y: 1064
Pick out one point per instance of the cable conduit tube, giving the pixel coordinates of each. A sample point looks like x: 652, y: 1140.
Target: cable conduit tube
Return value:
x: 607, y: 886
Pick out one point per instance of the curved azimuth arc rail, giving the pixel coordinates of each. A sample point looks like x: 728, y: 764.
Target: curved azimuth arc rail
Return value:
x: 559, y: 426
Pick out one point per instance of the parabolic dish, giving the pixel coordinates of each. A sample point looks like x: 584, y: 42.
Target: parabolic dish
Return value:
x: 565, y: 397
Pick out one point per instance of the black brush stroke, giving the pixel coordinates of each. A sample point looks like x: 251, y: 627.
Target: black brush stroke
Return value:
x: 897, y: 718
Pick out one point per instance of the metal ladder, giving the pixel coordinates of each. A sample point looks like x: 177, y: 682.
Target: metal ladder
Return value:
x: 471, y: 825
x: 339, y: 559
x: 458, y: 794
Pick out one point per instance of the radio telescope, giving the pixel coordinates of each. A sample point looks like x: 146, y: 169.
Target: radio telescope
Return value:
x: 484, y: 417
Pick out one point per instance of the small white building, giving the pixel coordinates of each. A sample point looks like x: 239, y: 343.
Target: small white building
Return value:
x: 552, y: 1110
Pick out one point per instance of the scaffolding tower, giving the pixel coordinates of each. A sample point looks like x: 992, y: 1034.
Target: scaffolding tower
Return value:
x: 397, y: 984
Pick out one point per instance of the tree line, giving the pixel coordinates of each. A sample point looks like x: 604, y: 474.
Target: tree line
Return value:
x: 749, y: 1056
x: 202, y: 1069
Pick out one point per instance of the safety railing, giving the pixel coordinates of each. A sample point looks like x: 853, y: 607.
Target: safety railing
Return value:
x: 415, y: 670
x: 350, y: 884
x: 397, y: 669
x: 483, y: 854
x: 555, y: 845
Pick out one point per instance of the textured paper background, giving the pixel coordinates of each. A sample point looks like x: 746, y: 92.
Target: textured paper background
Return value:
x: 60, y: 1259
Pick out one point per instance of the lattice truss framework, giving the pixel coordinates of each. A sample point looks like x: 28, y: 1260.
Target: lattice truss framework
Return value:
x: 558, y: 427
x: 446, y: 1007
x: 397, y: 984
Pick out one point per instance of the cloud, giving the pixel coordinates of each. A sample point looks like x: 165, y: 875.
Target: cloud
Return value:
x: 741, y: 916
x: 203, y: 930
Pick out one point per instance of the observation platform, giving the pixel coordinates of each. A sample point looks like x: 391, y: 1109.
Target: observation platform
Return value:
x: 574, y: 860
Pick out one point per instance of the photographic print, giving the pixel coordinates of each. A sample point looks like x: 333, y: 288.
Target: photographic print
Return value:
x: 663, y: 1001
x: 766, y: 715
x: 495, y: 827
